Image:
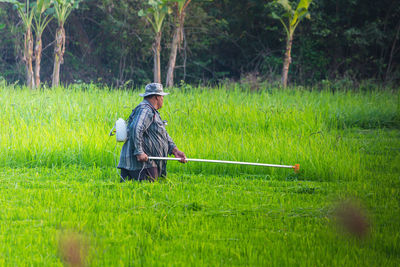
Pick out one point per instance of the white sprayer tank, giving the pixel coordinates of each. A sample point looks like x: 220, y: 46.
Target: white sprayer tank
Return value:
x: 120, y: 130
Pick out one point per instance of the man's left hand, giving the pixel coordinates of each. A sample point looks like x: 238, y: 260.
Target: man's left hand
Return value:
x: 179, y: 154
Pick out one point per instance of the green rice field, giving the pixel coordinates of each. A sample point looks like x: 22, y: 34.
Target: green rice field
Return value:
x: 62, y: 203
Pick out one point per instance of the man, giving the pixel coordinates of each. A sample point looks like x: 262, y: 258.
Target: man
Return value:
x: 147, y: 136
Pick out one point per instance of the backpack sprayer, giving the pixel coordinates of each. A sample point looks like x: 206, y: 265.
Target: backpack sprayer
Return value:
x: 121, y: 133
x: 120, y: 130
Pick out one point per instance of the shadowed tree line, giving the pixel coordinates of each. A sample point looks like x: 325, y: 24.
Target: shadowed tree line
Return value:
x: 132, y: 42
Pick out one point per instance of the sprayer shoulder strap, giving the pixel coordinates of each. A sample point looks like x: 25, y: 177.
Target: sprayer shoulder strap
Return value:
x: 130, y: 119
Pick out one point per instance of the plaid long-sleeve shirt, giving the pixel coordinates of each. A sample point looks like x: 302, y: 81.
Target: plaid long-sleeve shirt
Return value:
x: 146, y: 134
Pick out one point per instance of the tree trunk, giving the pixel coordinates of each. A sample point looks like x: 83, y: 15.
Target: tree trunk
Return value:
x: 38, y: 57
x: 28, y: 58
x: 389, y: 67
x: 176, y: 41
x: 156, y: 52
x: 59, y: 50
x: 172, y: 59
x: 287, y: 61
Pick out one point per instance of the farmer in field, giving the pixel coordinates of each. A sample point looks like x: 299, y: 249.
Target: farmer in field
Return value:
x: 147, y: 136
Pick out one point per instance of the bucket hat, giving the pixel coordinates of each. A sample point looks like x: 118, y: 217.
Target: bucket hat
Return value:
x: 154, y: 89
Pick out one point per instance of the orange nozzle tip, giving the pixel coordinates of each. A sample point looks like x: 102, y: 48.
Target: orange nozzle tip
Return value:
x: 296, y: 167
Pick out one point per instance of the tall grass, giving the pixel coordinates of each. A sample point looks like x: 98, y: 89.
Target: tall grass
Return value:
x: 70, y: 127
x: 57, y: 176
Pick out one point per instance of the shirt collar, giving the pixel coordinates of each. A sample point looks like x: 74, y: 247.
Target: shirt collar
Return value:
x: 148, y: 103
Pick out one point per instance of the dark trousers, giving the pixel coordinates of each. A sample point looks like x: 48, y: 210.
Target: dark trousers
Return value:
x: 150, y: 174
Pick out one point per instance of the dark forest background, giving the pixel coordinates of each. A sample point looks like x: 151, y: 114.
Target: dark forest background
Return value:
x: 349, y: 43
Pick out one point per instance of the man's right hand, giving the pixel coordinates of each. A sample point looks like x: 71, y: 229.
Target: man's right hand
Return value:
x: 142, y: 157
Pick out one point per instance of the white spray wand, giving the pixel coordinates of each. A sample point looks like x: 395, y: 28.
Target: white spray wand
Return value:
x: 295, y: 167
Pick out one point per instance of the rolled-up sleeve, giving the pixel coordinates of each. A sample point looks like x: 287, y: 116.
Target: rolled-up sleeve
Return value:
x: 143, y: 121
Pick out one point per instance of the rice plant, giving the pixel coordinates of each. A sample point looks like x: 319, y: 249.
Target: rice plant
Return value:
x: 60, y: 191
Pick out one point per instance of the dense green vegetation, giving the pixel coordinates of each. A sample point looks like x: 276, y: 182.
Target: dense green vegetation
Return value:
x: 344, y: 42
x: 58, y: 178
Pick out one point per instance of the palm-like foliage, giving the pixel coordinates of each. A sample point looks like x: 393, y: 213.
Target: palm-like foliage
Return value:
x: 62, y: 9
x: 24, y: 10
x: 155, y: 15
x: 40, y: 24
x: 180, y: 13
x: 290, y: 19
x: 26, y: 13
